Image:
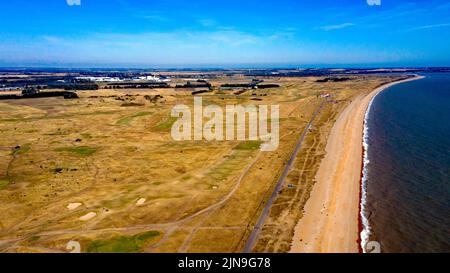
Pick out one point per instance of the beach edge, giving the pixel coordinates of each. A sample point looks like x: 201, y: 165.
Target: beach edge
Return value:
x: 332, y: 220
x: 363, y: 221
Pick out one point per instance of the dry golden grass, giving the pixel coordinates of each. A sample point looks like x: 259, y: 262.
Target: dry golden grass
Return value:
x: 99, y: 152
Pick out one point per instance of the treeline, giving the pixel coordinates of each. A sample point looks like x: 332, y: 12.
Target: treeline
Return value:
x: 196, y: 84
x: 236, y: 85
x: 254, y: 84
x: 334, y: 79
x: 66, y: 95
x: 72, y: 86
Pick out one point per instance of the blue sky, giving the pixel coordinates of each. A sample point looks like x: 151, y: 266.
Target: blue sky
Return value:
x: 226, y: 33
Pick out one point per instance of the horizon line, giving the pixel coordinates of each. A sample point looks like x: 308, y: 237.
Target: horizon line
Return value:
x: 224, y: 67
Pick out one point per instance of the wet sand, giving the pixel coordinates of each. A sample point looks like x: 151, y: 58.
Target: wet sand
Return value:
x: 330, y: 223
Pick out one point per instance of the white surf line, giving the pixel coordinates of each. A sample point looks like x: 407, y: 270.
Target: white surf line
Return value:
x: 366, y: 230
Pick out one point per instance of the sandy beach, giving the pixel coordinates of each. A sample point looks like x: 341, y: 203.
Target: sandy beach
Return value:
x: 330, y: 223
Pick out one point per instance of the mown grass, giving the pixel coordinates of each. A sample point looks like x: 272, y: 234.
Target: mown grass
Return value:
x: 220, y: 173
x: 4, y: 182
x: 34, y: 238
x: 123, y: 244
x: 129, y: 119
x: 166, y: 124
x: 62, y: 116
x: 82, y: 150
x: 248, y: 145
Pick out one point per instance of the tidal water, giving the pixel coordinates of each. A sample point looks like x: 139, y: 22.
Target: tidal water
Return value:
x: 407, y: 168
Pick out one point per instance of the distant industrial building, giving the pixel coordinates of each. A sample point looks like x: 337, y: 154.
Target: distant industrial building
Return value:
x: 151, y: 79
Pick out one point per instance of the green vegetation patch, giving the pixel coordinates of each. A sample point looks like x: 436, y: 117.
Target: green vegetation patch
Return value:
x: 166, y: 124
x: 4, y: 182
x: 86, y: 135
x: 62, y: 116
x: 128, y: 120
x: 248, y: 145
x: 82, y: 150
x: 34, y: 238
x: 21, y: 149
x: 221, y: 172
x: 123, y: 244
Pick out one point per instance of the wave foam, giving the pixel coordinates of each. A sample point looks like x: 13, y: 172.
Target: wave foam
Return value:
x: 366, y: 231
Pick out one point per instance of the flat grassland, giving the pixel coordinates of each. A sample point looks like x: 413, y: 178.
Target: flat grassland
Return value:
x: 104, y: 170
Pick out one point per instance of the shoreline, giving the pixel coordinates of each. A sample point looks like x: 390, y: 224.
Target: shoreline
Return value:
x: 332, y: 220
x: 363, y: 222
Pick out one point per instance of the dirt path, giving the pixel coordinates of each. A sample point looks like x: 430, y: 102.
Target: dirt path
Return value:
x: 253, y: 238
x: 168, y: 228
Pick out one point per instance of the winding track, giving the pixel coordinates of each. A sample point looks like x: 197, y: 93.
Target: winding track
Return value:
x: 172, y: 226
x: 168, y: 227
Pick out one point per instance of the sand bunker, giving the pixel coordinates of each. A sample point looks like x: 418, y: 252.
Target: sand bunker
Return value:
x: 88, y: 216
x: 141, y: 201
x: 73, y: 206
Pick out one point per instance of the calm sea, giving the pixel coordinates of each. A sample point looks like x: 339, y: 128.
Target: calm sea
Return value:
x: 408, y: 168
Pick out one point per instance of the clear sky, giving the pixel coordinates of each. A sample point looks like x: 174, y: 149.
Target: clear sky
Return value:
x: 175, y: 33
